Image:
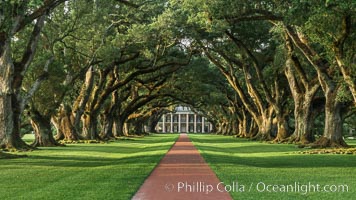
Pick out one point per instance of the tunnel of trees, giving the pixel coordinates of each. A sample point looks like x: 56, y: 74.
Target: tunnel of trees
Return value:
x: 280, y: 71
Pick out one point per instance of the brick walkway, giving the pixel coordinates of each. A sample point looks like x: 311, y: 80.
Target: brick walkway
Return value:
x: 182, y: 175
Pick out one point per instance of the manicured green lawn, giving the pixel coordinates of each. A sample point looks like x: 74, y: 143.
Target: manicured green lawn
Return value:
x: 83, y: 171
x: 253, y: 166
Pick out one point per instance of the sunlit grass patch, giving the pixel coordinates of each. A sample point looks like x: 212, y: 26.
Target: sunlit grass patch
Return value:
x: 256, y: 164
x: 83, y: 171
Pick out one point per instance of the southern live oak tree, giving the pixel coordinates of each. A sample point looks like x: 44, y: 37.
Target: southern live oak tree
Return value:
x: 329, y: 53
x: 16, y: 16
x: 123, y: 64
x: 103, y: 68
x: 326, y: 45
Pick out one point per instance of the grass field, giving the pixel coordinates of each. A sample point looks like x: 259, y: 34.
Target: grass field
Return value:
x: 83, y: 171
x: 254, y: 168
x: 251, y: 170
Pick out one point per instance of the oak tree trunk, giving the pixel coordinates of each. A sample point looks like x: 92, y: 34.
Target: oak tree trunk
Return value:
x: 83, y: 98
x: 90, y: 127
x: 332, y: 136
x: 283, y: 131
x: 118, y: 129
x: 9, y: 118
x: 264, y: 125
x: 243, y: 126
x: 42, y: 129
x: 56, y: 123
x: 153, y: 121
x: 137, y: 127
x: 303, y: 92
x: 304, y: 119
x: 234, y: 126
x: 66, y: 124
x: 107, y: 127
x: 333, y: 125
x: 253, y: 128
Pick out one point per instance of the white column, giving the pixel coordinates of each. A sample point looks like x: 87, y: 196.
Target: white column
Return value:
x: 171, y: 122
x: 187, y: 123
x: 202, y: 124
x: 179, y: 123
x: 195, y: 123
x: 164, y: 123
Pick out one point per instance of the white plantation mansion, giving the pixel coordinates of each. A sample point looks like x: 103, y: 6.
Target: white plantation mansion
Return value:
x: 183, y: 120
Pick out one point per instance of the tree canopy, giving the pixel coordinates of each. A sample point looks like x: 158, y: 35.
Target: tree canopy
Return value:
x: 100, y: 69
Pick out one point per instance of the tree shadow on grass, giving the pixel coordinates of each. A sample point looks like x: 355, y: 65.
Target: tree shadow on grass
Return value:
x: 231, y: 151
x: 251, y: 148
x: 102, y: 148
x: 96, y: 155
x: 81, y: 161
x: 285, y: 161
x: 4, y: 155
x: 211, y: 138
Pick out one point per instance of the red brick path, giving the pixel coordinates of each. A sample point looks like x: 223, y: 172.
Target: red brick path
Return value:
x: 182, y: 175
